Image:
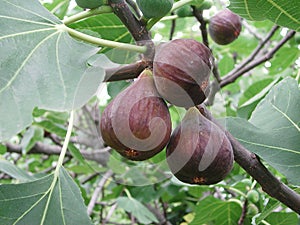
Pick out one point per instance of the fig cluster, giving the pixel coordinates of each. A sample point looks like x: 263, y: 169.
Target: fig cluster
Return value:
x: 137, y: 122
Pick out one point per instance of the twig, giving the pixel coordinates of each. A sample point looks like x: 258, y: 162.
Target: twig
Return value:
x: 254, y: 53
x: 203, y: 28
x: 99, y: 156
x: 203, y: 24
x: 173, y: 26
x: 125, y: 72
x: 230, y: 79
x: 136, y: 28
x: 251, y: 31
x: 160, y: 217
x: 134, y: 6
x: 110, y: 213
x: 244, y: 213
x: 97, y: 191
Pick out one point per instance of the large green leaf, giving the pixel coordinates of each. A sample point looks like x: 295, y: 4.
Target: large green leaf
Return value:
x: 49, y: 200
x: 273, y: 130
x: 137, y: 209
x: 40, y: 65
x: 282, y: 12
x: 215, y: 211
x: 14, y: 171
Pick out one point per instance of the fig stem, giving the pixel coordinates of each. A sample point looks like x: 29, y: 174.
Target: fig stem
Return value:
x: 102, y: 42
x: 65, y: 145
x: 86, y: 14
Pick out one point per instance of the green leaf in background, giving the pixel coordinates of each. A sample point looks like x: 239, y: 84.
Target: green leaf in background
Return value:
x: 109, y: 27
x: 137, y: 209
x: 30, y: 137
x: 215, y: 211
x: 58, y: 7
x: 273, y: 130
x: 14, y: 171
x: 48, y: 200
x: 252, y: 96
x: 283, y: 218
x: 52, y: 127
x: 282, y: 12
x: 44, y: 71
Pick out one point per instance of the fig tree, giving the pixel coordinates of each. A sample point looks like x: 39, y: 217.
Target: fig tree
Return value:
x: 224, y: 27
x: 199, y: 151
x: 90, y: 4
x: 155, y: 8
x: 181, y: 70
x: 136, y: 123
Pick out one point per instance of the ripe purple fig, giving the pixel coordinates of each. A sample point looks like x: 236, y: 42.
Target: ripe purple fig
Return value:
x: 224, y: 27
x: 136, y: 123
x: 199, y: 151
x: 181, y: 71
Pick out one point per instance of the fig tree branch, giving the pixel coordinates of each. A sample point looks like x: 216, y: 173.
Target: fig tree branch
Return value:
x: 254, y: 53
x: 97, y: 191
x: 269, y: 183
x: 46, y: 149
x: 136, y: 28
x: 203, y: 28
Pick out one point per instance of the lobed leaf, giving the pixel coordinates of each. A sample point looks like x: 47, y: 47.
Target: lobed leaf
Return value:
x: 282, y: 12
x: 49, y: 200
x: 273, y: 131
x: 39, y: 67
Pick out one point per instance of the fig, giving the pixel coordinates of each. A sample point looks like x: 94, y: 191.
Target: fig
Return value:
x: 155, y: 8
x: 224, y: 27
x: 207, y: 4
x: 181, y: 70
x: 89, y: 4
x: 184, y: 11
x: 253, y: 196
x: 137, y: 123
x: 199, y: 151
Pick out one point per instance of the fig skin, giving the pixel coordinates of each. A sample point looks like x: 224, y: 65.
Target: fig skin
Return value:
x: 137, y: 123
x: 224, y: 27
x: 181, y: 70
x: 155, y: 8
x: 199, y: 151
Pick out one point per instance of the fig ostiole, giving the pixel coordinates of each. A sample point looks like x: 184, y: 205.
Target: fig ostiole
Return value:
x: 181, y: 70
x: 199, y: 151
x: 137, y: 123
x: 225, y: 27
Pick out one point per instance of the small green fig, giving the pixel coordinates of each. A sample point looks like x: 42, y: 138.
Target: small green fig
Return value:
x: 136, y: 123
x: 207, y: 4
x: 181, y: 70
x: 184, y: 11
x: 199, y: 151
x: 297, y: 37
x: 253, y: 196
x: 155, y: 8
x: 224, y: 27
x: 89, y: 4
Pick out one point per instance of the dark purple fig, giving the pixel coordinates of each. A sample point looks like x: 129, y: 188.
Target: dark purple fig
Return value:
x: 224, y: 27
x: 137, y: 123
x: 199, y: 151
x: 181, y: 71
